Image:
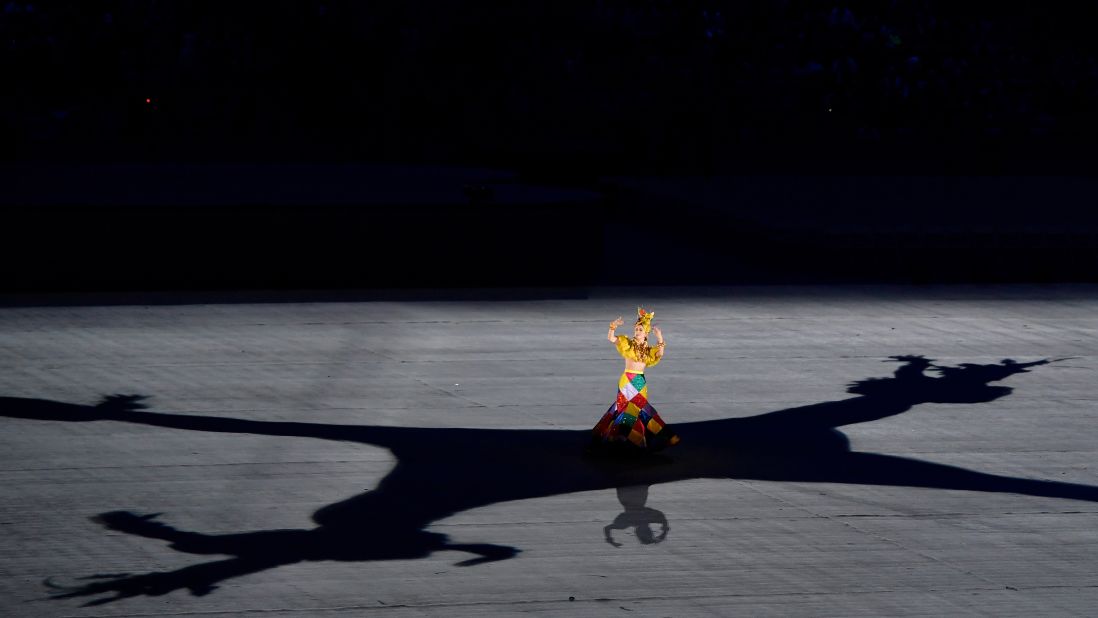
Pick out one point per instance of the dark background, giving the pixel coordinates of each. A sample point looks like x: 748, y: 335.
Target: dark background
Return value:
x: 158, y: 145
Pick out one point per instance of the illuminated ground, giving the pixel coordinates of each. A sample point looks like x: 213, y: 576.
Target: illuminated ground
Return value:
x: 771, y: 517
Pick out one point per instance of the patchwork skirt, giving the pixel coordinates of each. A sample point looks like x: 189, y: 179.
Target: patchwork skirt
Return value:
x: 631, y: 419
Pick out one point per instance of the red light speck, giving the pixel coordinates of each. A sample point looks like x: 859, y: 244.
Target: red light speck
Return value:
x: 148, y: 100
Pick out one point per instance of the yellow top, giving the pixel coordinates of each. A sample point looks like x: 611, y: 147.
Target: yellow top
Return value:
x: 628, y: 353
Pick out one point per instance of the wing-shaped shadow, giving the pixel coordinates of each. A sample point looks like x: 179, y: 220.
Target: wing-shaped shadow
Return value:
x: 440, y: 472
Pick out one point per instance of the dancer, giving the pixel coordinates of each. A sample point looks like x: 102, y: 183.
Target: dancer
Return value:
x: 631, y: 423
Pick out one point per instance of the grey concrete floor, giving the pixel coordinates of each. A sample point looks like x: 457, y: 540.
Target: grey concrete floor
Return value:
x: 484, y: 405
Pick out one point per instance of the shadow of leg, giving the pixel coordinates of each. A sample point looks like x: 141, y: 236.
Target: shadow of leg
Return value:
x: 875, y: 469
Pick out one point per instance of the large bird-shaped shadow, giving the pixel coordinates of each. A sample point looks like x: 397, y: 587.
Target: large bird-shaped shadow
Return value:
x: 440, y: 472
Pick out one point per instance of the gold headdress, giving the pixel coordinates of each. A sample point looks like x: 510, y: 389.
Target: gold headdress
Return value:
x: 644, y: 318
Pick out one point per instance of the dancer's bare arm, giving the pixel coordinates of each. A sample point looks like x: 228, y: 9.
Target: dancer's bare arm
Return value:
x: 610, y: 336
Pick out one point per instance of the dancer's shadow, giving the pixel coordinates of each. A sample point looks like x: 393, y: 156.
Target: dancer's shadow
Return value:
x: 637, y: 516
x: 440, y: 472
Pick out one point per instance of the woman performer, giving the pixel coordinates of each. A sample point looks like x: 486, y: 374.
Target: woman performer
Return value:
x: 631, y: 422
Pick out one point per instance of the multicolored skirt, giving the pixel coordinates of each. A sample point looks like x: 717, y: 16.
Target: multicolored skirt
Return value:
x: 632, y: 420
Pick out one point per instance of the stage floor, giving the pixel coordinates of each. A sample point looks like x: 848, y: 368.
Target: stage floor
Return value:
x: 334, y: 458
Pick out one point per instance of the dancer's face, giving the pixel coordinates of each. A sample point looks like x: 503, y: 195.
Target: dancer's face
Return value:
x: 638, y: 332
